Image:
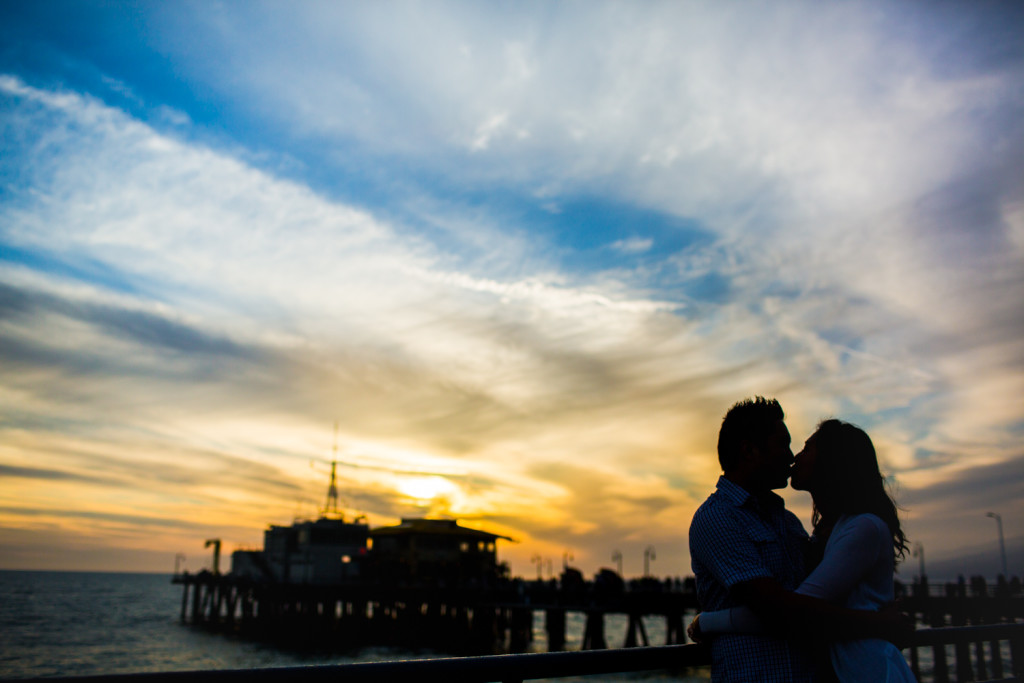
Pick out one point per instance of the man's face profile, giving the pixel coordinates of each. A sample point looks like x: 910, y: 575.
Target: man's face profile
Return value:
x: 774, y: 457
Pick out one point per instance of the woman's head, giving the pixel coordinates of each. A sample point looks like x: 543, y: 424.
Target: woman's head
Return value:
x: 839, y: 467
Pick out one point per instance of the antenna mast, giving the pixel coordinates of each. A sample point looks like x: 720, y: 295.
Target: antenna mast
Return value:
x: 332, y: 491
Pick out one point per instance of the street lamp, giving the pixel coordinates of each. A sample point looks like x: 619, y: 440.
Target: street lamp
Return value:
x: 617, y: 558
x: 919, y: 552
x: 540, y: 563
x: 648, y: 556
x: 1002, y: 545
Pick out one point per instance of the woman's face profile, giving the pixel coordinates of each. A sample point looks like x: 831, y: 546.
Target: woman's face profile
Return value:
x: 803, y: 469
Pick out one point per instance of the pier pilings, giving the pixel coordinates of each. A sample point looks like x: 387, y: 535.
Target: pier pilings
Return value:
x: 455, y: 620
x: 474, y: 621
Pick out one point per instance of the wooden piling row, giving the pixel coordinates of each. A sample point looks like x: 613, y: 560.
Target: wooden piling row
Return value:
x: 481, y: 622
x: 347, y: 616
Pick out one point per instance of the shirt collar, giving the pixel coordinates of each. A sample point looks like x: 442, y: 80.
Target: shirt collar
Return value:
x: 739, y: 496
x: 734, y: 493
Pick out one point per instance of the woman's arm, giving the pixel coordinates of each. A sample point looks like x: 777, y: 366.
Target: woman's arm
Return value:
x: 851, y: 553
x: 734, y: 620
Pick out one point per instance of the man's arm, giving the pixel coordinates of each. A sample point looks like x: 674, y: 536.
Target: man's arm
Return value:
x: 813, y: 609
x: 808, y: 617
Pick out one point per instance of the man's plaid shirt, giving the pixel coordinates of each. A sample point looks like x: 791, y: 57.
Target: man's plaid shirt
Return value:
x: 734, y: 537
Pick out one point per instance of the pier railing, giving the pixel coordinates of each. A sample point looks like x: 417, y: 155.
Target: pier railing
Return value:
x: 969, y: 645
x: 968, y: 636
x: 499, y: 668
x: 522, y: 667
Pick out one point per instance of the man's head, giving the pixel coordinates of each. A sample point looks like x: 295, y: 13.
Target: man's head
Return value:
x: 754, y: 444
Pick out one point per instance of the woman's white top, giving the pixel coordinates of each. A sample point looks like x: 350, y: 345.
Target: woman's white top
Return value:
x: 856, y: 572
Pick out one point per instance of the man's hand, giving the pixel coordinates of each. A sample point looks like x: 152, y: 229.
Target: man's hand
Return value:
x: 693, y: 630
x: 895, y: 626
x: 792, y: 615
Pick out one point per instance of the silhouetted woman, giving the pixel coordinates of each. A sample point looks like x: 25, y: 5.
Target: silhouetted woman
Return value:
x: 857, y: 520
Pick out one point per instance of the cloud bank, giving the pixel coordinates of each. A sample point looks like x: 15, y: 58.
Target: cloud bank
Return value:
x: 525, y: 255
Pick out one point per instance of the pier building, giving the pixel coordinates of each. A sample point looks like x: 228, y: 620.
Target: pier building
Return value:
x: 436, y: 551
x: 325, y: 551
x: 331, y: 551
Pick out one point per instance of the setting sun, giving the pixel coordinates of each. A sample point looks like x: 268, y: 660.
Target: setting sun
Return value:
x: 427, y: 488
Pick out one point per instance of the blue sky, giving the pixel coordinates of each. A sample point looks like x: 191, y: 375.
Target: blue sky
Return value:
x: 525, y: 254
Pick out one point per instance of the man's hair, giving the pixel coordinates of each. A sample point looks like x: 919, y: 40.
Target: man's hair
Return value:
x: 751, y: 420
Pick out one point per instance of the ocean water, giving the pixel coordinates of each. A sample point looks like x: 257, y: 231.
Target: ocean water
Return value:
x: 82, y: 623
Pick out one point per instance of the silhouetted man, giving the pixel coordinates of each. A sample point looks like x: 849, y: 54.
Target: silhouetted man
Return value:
x: 743, y: 541
x: 747, y: 549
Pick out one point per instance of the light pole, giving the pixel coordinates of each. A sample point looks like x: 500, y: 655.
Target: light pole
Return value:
x: 919, y: 552
x: 617, y: 558
x: 1002, y: 546
x: 540, y: 563
x: 648, y: 556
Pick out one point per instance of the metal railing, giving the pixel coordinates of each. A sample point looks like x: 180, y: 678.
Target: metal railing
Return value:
x: 968, y: 666
x: 522, y: 667
x: 500, y: 668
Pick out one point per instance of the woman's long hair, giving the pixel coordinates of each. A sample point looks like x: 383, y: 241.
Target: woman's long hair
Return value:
x: 847, y: 480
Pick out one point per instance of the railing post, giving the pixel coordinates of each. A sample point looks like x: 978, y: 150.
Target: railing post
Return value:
x: 675, y: 634
x: 554, y: 622
x: 940, y: 667
x: 636, y: 625
x: 593, y: 635
x: 1017, y: 655
x: 997, y: 659
x: 184, y: 600
x: 197, y: 604
x: 915, y: 663
x: 520, y: 628
x: 962, y: 648
x: 979, y: 656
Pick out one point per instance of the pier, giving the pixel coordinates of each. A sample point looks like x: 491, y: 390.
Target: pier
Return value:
x: 975, y: 637
x: 968, y: 637
x: 458, y: 620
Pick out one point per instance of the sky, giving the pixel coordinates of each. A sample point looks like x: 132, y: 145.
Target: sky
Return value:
x: 505, y: 262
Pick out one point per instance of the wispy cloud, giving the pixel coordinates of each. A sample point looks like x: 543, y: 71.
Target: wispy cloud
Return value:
x: 382, y: 227
x: 633, y: 245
